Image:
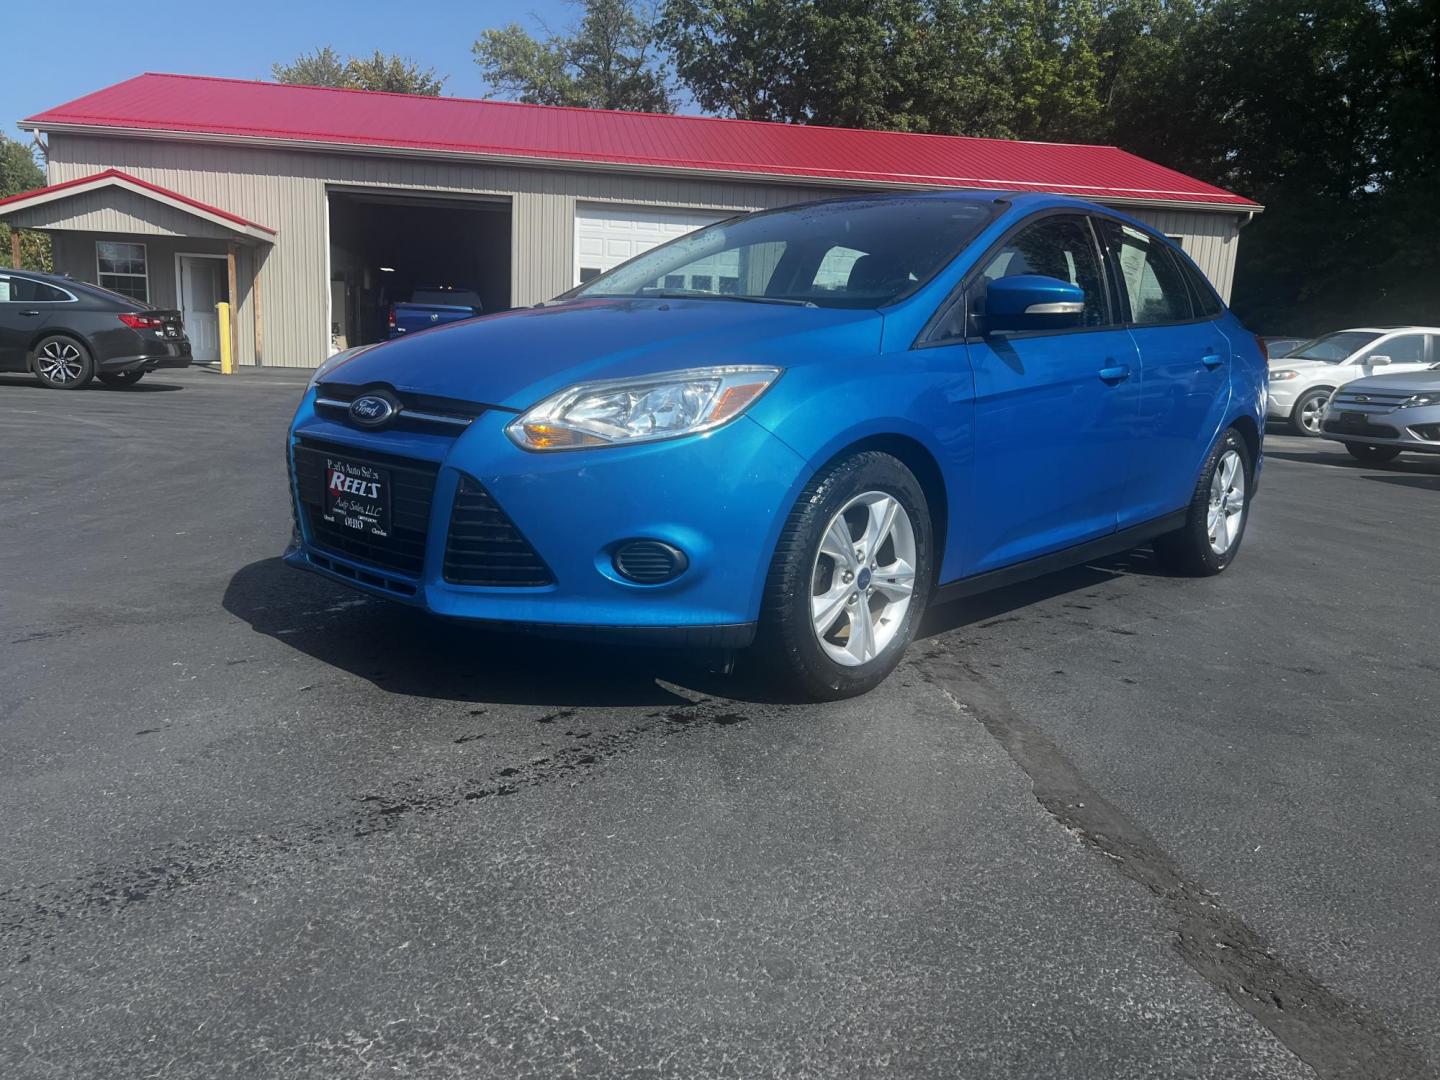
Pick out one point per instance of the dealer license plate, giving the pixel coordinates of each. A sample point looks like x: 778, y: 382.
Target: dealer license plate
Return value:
x: 357, y: 497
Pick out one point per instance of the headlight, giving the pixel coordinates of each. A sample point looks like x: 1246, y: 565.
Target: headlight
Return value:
x: 640, y: 410
x: 335, y: 361
x: 1420, y: 401
x: 1283, y: 375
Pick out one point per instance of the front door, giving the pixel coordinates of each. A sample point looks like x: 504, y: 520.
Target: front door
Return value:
x: 202, y: 285
x: 1055, y: 411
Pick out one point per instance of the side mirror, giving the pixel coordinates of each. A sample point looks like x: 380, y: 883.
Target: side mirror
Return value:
x: 1032, y: 302
x: 1378, y: 358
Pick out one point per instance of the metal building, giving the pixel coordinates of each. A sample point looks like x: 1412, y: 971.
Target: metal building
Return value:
x: 314, y: 208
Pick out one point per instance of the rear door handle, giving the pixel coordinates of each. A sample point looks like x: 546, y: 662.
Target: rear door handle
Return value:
x: 1115, y: 374
x: 29, y: 313
x: 1212, y: 360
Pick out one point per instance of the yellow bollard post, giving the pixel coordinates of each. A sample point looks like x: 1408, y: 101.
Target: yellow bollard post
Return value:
x: 227, y: 359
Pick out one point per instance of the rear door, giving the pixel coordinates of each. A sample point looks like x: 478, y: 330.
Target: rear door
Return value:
x: 1054, y: 410
x: 21, y: 315
x: 1185, y: 388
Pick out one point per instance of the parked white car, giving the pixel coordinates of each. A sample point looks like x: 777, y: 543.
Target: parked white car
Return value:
x: 1302, y: 382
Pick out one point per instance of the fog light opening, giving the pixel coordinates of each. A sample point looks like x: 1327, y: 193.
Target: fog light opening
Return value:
x: 649, y: 562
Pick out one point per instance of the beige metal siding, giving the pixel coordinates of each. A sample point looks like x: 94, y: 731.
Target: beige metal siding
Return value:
x: 286, y: 190
x: 115, y: 210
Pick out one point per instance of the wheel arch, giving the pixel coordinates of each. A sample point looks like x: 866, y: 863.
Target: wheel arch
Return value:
x: 1249, y: 431
x: 61, y: 331
x: 921, y: 461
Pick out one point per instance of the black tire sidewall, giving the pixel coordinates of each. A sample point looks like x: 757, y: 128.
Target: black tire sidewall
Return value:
x: 1372, y: 455
x: 787, y: 635
x: 1188, y: 550
x: 120, y: 378
x: 87, y: 362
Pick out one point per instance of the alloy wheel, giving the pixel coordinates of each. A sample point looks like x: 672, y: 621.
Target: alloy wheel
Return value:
x: 60, y: 362
x: 863, y: 578
x: 1312, y: 409
x: 1227, y: 502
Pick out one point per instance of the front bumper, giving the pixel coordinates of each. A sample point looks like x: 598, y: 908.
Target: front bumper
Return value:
x: 1416, y: 429
x: 1280, y: 402
x: 719, y: 497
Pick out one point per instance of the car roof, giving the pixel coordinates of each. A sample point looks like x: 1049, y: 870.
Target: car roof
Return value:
x: 1387, y: 330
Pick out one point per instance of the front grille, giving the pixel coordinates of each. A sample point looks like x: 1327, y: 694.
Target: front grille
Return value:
x: 1375, y: 400
x: 484, y: 547
x: 417, y: 412
x: 1364, y: 428
x: 412, y: 485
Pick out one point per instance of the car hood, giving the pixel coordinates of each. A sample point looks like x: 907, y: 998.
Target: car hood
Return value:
x: 1305, y: 367
x: 514, y: 359
x: 1417, y: 381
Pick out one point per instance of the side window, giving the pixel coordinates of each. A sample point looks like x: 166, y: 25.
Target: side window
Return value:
x: 23, y: 289
x: 1402, y: 349
x: 1149, y: 278
x: 1058, y: 247
x: 4, y: 290
x: 1202, y: 294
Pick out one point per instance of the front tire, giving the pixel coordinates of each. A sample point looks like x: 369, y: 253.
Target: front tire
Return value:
x: 1215, y: 519
x: 850, y: 578
x: 1372, y: 455
x: 120, y: 378
x: 62, y: 363
x: 1309, y: 408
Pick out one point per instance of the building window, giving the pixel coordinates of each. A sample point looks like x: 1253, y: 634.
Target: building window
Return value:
x: 122, y: 269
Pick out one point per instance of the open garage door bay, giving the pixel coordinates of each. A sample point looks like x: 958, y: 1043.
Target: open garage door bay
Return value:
x: 385, y: 245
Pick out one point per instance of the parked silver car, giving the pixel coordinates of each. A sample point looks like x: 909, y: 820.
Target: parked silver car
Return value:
x: 1380, y: 417
x: 1302, y: 382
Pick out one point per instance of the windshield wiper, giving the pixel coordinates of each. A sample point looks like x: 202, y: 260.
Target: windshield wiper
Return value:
x: 701, y: 294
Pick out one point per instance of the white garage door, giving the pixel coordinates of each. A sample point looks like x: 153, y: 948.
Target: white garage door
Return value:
x: 605, y: 236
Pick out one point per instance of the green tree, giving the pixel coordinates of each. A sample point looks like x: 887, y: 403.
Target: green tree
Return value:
x: 391, y: 74
x: 20, y: 172
x: 609, y: 60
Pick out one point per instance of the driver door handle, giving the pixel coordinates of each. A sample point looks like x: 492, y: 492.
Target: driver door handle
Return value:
x: 1212, y: 360
x: 29, y: 313
x: 1116, y: 373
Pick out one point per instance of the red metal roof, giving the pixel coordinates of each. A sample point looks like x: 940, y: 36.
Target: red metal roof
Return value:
x: 235, y: 108
x: 109, y: 176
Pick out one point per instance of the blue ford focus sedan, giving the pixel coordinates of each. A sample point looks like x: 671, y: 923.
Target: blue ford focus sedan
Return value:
x: 793, y: 430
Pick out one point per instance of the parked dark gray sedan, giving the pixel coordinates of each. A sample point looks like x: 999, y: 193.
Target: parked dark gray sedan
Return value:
x: 1380, y: 417
x: 68, y: 332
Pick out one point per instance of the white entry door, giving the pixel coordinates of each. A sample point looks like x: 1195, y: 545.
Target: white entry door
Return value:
x: 606, y: 236
x: 202, y: 286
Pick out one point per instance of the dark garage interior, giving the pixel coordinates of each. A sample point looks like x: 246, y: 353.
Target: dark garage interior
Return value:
x: 383, y: 245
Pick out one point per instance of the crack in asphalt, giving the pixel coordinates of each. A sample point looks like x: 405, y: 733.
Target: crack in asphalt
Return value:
x: 1334, y: 1037
x: 33, y: 917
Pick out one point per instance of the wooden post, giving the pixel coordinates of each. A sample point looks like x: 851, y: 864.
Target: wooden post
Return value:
x: 15, y: 247
x: 231, y: 269
x: 255, y: 305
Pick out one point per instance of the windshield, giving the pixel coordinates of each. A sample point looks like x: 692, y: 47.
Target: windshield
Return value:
x: 858, y: 253
x: 1333, y: 348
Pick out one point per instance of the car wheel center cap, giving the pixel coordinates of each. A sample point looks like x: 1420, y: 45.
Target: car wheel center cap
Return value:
x: 864, y: 579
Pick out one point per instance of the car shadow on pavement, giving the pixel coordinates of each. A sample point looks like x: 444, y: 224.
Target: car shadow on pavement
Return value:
x: 406, y: 651
x: 21, y: 381
x: 1423, y: 481
x: 981, y: 609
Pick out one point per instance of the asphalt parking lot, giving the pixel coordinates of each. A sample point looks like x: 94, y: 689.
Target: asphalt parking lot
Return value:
x: 1107, y: 824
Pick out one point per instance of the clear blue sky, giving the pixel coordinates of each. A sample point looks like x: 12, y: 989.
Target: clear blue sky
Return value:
x: 57, y: 52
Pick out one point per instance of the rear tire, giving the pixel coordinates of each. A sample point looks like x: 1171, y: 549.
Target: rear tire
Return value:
x: 1372, y: 455
x: 62, y: 363
x: 1305, y: 415
x: 837, y: 615
x: 1216, y: 517
x: 120, y: 378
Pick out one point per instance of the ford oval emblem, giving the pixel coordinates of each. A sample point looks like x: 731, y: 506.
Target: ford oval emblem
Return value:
x: 371, y: 410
